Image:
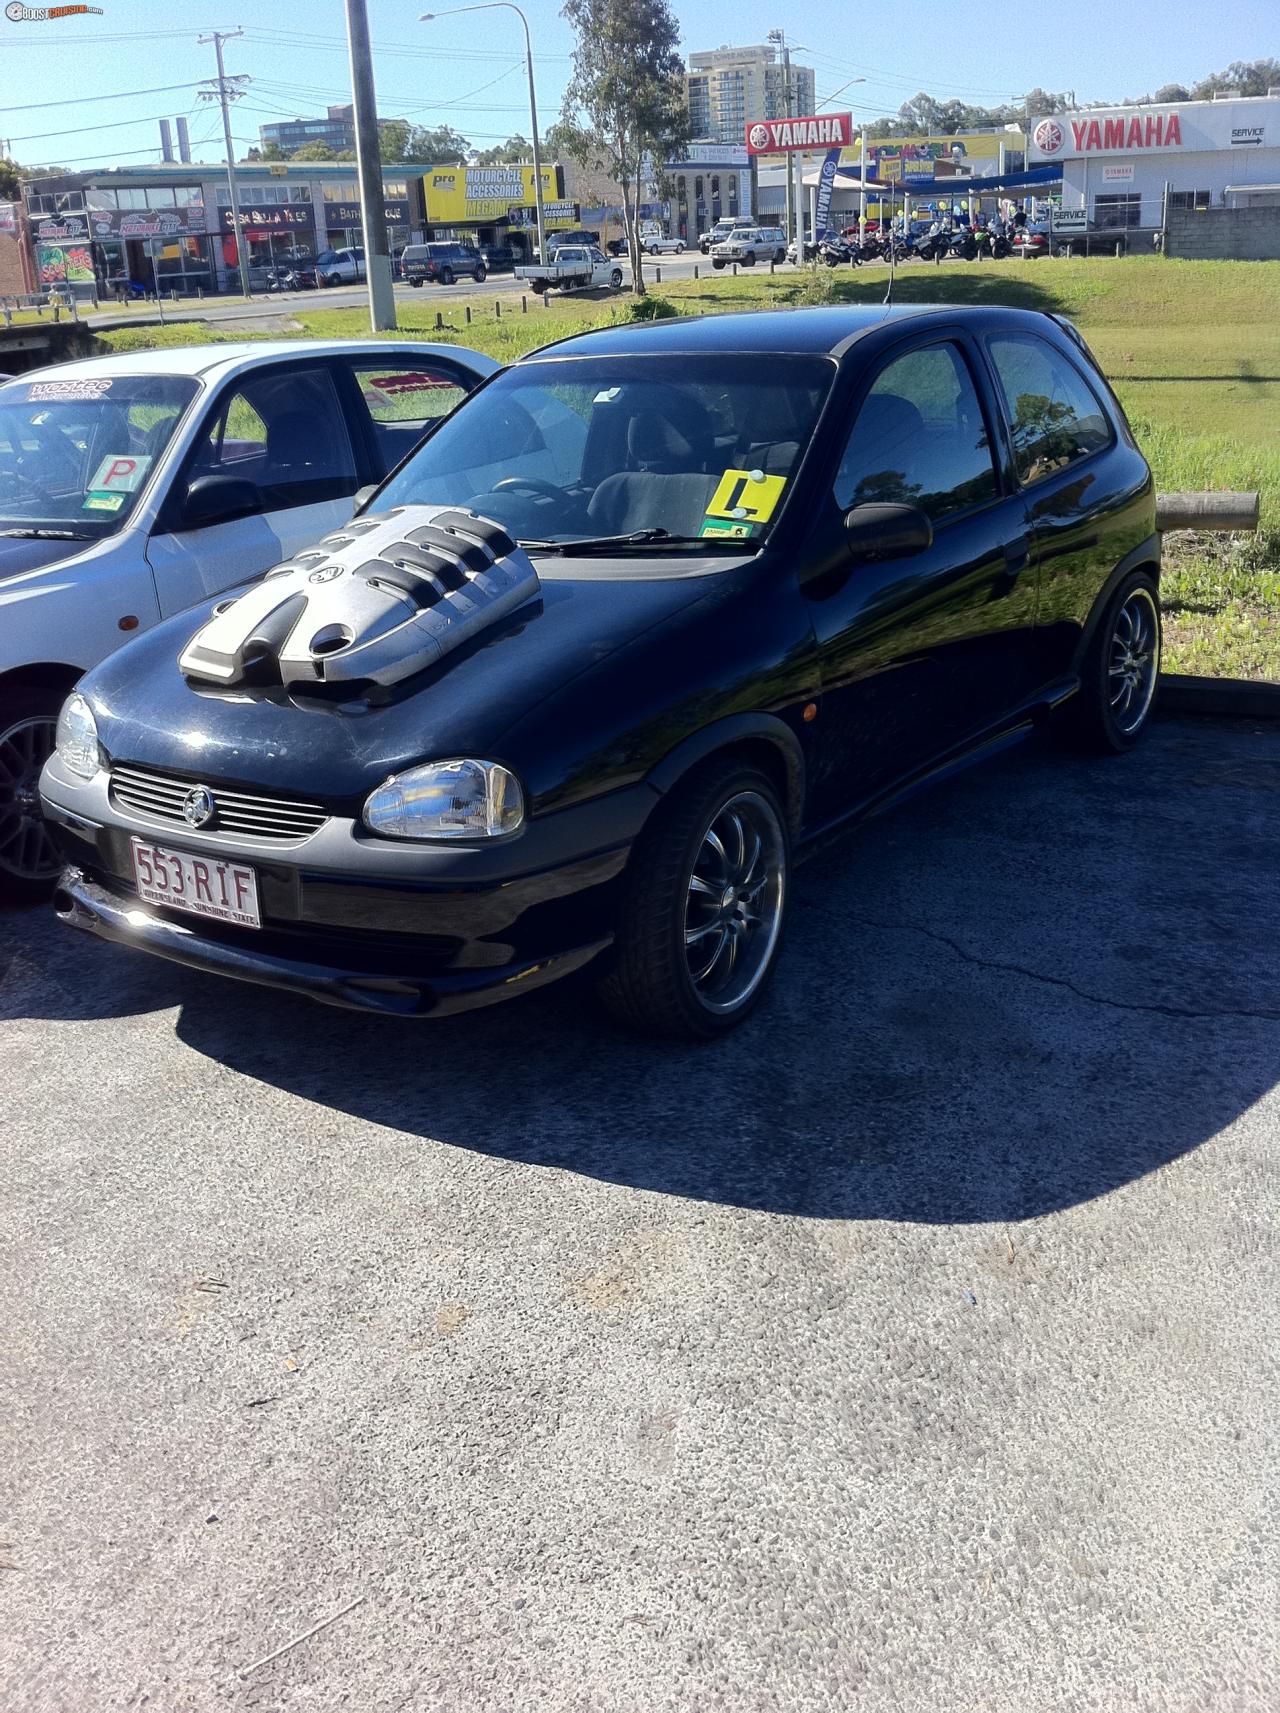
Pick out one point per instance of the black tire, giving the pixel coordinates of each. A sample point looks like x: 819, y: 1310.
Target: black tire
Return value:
x: 333, y: 280
x: 615, y: 278
x: 478, y: 276
x: 415, y: 284
x: 539, y: 286
x: 29, y: 865
x: 1091, y: 718
x: 650, y: 985
x: 749, y: 260
x: 716, y: 264
x: 446, y: 276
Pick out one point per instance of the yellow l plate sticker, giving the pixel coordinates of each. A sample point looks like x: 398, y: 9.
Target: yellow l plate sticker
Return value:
x: 748, y: 495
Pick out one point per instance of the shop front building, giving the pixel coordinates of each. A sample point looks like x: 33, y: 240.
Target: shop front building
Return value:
x: 712, y: 181
x: 902, y: 162
x: 1127, y: 170
x: 170, y: 227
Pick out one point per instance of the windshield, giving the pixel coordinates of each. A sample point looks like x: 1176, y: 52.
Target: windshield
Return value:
x: 571, y: 449
x: 75, y: 454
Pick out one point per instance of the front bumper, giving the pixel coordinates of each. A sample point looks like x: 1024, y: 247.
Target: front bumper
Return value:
x: 83, y: 903
x: 351, y: 920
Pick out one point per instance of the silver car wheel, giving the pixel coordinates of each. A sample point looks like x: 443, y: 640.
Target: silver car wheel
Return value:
x: 1134, y: 661
x: 734, y: 902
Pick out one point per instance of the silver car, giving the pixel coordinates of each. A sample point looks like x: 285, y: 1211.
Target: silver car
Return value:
x: 132, y: 486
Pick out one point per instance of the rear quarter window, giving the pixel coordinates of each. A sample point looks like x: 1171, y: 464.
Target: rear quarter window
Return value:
x: 1055, y: 417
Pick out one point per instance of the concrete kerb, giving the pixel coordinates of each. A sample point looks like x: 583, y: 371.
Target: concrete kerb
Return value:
x: 1248, y: 698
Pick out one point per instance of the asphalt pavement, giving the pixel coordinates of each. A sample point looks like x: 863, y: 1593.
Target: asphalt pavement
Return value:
x: 914, y: 1349
x: 273, y: 305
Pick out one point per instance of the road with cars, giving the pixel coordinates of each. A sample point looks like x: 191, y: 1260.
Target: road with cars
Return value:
x: 907, y: 1350
x: 270, y: 304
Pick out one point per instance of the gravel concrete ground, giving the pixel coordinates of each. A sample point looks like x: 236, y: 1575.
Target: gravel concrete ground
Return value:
x: 913, y: 1350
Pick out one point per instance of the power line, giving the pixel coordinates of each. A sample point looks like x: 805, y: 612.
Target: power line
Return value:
x: 113, y: 125
x: 120, y: 95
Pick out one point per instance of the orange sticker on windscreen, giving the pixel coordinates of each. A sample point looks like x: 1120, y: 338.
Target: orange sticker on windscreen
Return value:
x: 748, y: 496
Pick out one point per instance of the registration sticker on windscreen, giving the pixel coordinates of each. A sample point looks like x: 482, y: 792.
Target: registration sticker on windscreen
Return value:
x: 202, y: 886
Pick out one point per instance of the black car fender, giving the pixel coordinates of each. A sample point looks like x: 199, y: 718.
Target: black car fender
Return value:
x: 744, y: 732
x: 1144, y: 557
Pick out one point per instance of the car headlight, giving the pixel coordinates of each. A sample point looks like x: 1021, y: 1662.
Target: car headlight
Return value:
x: 447, y: 800
x: 77, y: 738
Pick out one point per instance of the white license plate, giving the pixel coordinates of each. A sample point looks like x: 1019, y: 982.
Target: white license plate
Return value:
x: 205, y: 886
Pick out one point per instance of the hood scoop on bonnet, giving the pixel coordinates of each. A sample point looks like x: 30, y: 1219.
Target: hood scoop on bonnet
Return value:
x: 380, y: 599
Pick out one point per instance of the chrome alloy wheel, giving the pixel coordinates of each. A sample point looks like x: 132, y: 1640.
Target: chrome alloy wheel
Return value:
x: 1134, y: 663
x: 733, y: 905
x: 26, y: 849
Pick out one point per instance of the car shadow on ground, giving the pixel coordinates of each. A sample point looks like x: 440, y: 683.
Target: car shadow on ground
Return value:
x: 1026, y: 989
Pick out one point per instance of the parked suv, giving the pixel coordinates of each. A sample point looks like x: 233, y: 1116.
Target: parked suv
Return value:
x: 749, y: 245
x: 557, y: 240
x: 442, y: 263
x: 721, y: 230
x: 340, y: 267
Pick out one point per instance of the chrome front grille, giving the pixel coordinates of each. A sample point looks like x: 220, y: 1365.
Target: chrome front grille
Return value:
x: 236, y: 814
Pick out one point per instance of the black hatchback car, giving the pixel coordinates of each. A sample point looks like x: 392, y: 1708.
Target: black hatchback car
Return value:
x: 647, y: 612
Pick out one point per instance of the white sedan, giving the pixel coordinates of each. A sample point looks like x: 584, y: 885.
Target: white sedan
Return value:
x: 132, y: 486
x: 656, y: 244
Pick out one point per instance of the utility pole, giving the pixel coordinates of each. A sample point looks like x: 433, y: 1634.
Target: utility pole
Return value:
x: 227, y: 92
x: 795, y: 162
x: 377, y: 258
x: 779, y: 39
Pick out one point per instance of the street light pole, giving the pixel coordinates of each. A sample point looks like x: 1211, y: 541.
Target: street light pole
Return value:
x: 508, y: 6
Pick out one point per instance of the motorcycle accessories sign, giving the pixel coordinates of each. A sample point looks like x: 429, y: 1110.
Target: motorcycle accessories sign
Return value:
x: 790, y: 136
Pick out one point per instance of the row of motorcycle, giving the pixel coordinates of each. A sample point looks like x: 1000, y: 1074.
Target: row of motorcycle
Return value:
x: 941, y: 243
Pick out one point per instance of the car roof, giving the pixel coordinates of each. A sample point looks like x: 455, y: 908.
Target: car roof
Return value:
x: 773, y: 332
x: 212, y: 361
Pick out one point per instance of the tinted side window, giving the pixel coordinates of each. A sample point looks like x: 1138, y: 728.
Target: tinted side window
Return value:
x: 920, y: 438
x: 1053, y: 415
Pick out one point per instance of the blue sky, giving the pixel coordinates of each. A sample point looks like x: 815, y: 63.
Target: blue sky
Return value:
x: 468, y: 71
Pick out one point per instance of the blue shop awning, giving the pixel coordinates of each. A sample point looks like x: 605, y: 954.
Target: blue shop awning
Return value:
x: 1038, y: 178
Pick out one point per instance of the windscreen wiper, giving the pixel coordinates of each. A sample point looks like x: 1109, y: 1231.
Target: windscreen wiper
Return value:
x: 639, y: 538
x: 47, y: 534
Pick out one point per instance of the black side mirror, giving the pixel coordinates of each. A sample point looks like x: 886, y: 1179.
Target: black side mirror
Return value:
x: 878, y: 531
x: 362, y: 496
x: 219, y: 499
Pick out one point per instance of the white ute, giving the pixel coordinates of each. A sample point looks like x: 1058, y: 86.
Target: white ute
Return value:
x: 573, y: 265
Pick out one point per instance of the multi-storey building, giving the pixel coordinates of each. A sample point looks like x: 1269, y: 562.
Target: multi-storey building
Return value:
x: 729, y: 88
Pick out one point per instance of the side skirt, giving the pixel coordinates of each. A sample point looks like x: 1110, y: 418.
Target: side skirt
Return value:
x: 993, y: 741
